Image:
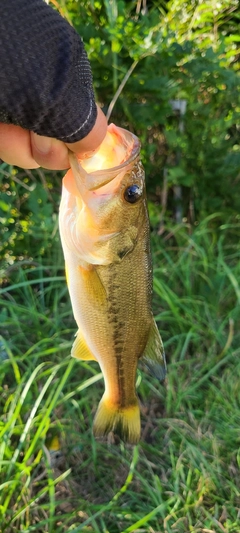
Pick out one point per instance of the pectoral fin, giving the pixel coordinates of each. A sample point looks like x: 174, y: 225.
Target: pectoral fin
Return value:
x: 154, y: 356
x: 80, y: 349
x: 93, y: 285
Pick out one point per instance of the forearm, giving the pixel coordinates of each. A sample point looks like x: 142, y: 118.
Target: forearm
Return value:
x: 45, y: 76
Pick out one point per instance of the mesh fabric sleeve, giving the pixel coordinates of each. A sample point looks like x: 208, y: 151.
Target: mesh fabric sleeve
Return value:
x: 45, y: 76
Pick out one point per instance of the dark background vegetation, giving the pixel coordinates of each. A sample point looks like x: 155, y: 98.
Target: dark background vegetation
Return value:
x: 184, y: 475
x: 187, y: 51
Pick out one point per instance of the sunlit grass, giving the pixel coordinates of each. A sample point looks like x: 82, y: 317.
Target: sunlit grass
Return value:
x: 184, y: 474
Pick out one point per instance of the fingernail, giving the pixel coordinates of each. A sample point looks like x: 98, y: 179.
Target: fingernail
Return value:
x: 43, y: 144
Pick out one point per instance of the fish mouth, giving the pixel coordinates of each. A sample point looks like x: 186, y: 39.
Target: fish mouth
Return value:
x: 95, y: 179
x: 132, y: 147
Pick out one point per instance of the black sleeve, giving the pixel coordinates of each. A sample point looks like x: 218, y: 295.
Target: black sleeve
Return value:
x: 45, y: 76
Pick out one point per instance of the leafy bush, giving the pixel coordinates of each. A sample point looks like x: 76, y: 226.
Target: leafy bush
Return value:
x: 28, y: 213
x: 165, y: 52
x: 179, y: 50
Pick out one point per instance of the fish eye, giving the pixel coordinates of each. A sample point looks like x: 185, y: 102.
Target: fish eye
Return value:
x: 132, y: 194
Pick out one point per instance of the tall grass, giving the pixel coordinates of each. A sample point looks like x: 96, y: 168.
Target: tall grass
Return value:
x: 184, y: 474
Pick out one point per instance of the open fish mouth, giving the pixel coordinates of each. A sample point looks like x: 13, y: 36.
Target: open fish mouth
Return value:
x: 119, y: 148
x: 116, y: 155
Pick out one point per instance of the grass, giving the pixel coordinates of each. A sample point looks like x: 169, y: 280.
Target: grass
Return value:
x: 184, y: 474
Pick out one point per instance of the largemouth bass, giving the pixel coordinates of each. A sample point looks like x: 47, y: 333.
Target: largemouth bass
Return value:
x: 104, y: 230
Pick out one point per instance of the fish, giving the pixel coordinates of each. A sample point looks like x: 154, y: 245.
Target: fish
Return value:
x: 105, y: 235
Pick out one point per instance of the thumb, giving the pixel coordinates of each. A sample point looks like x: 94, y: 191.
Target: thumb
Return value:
x: 89, y: 144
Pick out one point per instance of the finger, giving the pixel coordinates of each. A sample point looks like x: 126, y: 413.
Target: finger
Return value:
x: 92, y: 141
x: 28, y: 150
x: 49, y: 153
x: 15, y: 146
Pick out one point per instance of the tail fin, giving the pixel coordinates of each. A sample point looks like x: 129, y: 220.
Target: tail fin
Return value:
x: 125, y: 421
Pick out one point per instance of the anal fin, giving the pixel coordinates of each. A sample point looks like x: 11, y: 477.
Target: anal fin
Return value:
x: 154, y: 356
x: 80, y: 349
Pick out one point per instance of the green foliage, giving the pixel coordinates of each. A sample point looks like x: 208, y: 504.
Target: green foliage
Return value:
x: 28, y: 213
x: 183, y: 50
x: 184, y: 475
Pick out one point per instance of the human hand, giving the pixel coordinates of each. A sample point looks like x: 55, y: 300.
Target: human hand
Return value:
x: 26, y: 149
